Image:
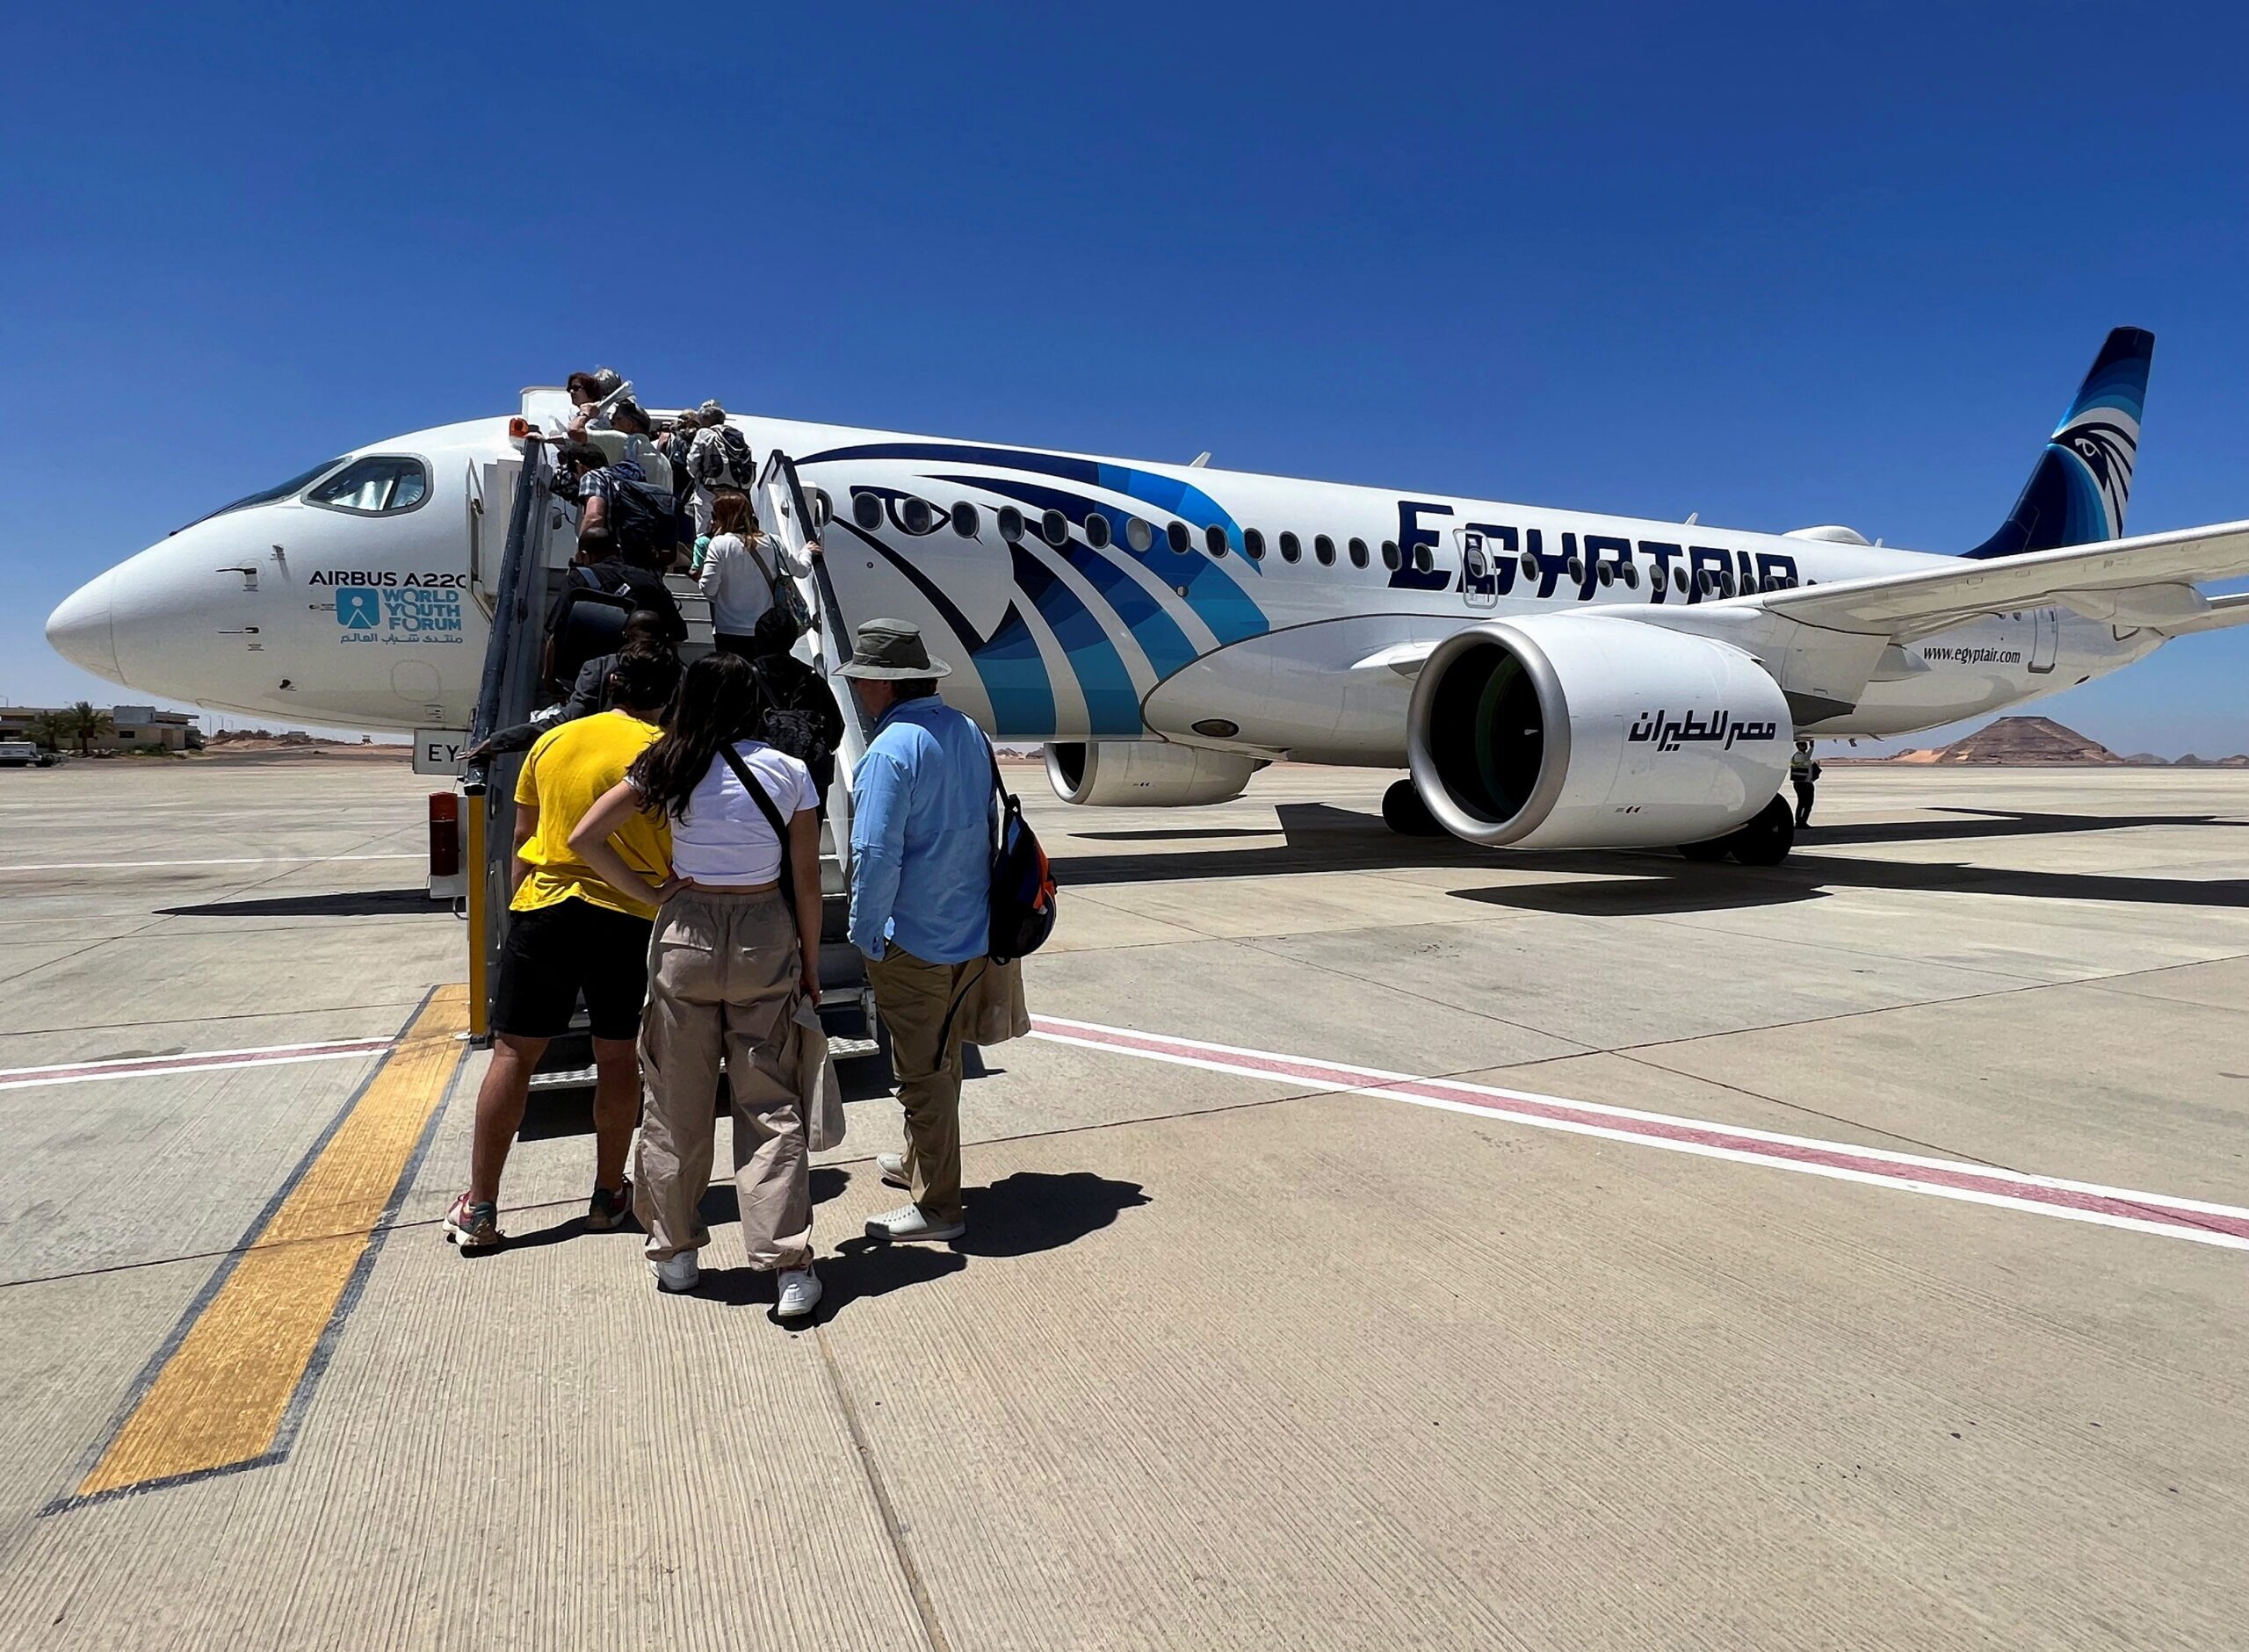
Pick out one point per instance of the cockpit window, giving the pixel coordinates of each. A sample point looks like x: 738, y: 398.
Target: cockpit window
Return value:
x: 374, y: 487
x: 282, y: 490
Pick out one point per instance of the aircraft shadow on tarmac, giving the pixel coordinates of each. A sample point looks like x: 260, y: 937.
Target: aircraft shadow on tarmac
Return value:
x: 357, y: 903
x: 1322, y: 838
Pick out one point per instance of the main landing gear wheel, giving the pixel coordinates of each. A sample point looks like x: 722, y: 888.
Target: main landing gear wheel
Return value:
x: 1766, y: 840
x: 1404, y: 812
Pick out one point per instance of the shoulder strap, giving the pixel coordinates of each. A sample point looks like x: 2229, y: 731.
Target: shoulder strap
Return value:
x: 749, y: 544
x: 756, y: 787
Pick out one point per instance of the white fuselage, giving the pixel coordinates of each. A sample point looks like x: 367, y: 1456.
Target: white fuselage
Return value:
x: 1088, y: 625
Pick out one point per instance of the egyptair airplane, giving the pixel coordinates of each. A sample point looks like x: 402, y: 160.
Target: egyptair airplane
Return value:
x: 1550, y: 678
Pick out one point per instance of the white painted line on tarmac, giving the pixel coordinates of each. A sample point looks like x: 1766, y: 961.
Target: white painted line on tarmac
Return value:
x: 191, y: 1061
x: 240, y: 860
x: 2192, y: 1219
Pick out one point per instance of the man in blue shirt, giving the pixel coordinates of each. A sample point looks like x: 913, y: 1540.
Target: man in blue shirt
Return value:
x: 922, y: 837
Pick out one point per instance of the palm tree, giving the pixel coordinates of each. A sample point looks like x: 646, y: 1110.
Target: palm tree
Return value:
x: 50, y: 729
x: 88, y: 724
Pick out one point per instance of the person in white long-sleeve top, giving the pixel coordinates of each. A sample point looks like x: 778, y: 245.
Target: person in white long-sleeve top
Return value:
x: 740, y: 570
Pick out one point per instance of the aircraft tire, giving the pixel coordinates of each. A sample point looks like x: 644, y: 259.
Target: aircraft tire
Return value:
x: 1404, y: 812
x: 1766, y: 840
x: 1715, y: 849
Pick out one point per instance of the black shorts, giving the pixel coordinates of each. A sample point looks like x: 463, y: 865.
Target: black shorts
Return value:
x: 556, y: 952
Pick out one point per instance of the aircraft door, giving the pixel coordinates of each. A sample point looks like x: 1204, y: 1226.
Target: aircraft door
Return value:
x: 2045, y: 640
x: 1479, y: 581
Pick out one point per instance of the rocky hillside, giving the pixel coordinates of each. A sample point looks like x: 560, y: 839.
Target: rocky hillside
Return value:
x: 2041, y: 741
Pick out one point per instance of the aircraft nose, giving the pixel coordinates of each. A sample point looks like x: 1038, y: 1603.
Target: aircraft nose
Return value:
x: 79, y: 629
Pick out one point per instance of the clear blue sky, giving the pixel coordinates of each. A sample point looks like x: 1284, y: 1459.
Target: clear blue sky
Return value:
x: 1779, y: 265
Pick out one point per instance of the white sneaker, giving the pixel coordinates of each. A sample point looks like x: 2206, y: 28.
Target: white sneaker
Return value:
x: 892, y: 1166
x: 911, y: 1222
x: 676, y: 1273
x: 799, y: 1292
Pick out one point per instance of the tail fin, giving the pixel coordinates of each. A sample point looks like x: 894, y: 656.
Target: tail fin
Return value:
x: 2076, y: 494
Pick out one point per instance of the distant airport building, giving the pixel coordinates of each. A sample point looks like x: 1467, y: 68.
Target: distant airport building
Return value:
x: 130, y: 728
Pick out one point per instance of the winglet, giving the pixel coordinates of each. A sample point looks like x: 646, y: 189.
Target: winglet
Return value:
x: 2078, y: 490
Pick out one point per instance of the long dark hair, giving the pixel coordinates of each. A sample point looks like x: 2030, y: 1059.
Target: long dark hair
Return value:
x: 718, y: 704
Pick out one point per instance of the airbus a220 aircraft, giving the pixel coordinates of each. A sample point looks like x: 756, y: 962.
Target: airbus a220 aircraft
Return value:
x: 1550, y: 678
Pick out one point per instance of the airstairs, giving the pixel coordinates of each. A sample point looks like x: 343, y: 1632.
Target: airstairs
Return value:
x: 517, y: 592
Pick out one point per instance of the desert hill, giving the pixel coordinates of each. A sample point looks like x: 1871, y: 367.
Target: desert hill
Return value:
x: 2041, y: 740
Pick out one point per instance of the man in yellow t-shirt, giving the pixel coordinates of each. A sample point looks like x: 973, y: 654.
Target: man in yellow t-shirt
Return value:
x: 572, y: 935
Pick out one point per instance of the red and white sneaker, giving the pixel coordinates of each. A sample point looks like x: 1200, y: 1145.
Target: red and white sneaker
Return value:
x: 474, y: 1227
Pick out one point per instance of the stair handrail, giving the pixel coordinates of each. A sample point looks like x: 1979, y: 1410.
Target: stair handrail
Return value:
x: 781, y: 497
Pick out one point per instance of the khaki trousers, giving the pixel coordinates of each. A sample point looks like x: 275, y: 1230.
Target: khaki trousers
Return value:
x: 723, y: 981
x: 913, y: 995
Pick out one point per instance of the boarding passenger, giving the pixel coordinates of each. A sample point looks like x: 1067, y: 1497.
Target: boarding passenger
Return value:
x: 595, y: 689
x: 573, y: 933
x: 736, y: 950
x: 722, y: 456
x: 599, y: 566
x: 742, y: 569
x: 616, y: 494
x: 921, y: 838
x: 1803, y: 772
x: 801, y: 716
x: 676, y: 444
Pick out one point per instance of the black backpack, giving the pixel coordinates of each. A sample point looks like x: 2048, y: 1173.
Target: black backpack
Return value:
x: 738, y: 457
x: 642, y: 516
x: 787, y: 729
x: 1022, y: 882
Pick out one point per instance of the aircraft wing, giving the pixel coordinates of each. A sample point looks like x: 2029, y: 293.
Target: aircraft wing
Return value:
x: 2147, y: 582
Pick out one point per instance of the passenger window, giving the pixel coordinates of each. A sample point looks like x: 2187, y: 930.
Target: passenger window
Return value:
x: 1056, y: 526
x: 1630, y: 573
x: 1010, y: 525
x: 1422, y: 560
x: 1390, y: 554
x: 374, y: 487
x: 915, y: 516
x: 1253, y: 544
x: 866, y: 510
x: 1182, y: 537
x: 1679, y: 578
x: 1358, y: 553
x: 1577, y: 571
x: 1138, y: 534
x: 1291, y: 547
x: 823, y: 509
x: 1605, y: 572
x: 1214, y: 539
x: 1323, y: 549
x: 1096, y: 528
x: 964, y: 520
x: 1529, y: 566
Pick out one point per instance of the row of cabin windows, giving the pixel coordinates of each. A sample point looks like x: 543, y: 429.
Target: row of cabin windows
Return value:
x: 919, y: 517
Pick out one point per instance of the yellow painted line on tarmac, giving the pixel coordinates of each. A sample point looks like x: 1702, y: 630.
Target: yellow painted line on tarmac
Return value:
x: 223, y: 1397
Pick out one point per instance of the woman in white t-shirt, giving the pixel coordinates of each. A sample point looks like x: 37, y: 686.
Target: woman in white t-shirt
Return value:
x: 729, y: 962
x: 738, y: 571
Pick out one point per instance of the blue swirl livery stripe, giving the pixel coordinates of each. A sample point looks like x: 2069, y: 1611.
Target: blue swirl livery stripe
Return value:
x: 1112, y: 703
x: 1159, y: 635
x: 1008, y: 663
x: 1218, y: 602
x: 1168, y: 494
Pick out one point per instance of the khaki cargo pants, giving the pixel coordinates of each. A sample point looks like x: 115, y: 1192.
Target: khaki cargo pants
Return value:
x: 723, y: 981
x: 913, y: 997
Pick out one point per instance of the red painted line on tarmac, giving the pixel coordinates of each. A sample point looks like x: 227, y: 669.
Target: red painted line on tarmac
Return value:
x: 2208, y: 1223
x: 192, y: 1061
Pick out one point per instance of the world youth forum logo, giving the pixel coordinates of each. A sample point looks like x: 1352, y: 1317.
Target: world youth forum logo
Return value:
x: 358, y: 610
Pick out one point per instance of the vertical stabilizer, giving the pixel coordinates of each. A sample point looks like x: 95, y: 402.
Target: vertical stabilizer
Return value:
x: 2078, y: 490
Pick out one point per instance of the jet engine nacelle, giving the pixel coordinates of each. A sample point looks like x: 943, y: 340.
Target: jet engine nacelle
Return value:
x: 1144, y: 773
x: 1574, y: 732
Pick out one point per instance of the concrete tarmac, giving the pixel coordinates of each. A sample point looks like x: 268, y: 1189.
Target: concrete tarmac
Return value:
x: 1556, y: 1251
